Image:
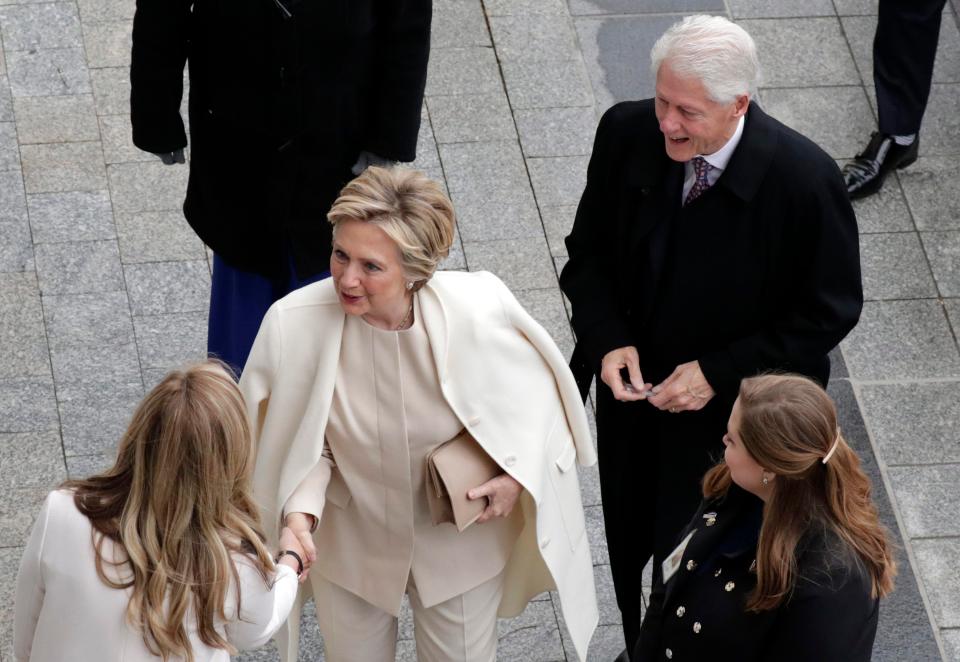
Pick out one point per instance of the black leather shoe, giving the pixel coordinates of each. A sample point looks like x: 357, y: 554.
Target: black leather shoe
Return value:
x: 865, y: 174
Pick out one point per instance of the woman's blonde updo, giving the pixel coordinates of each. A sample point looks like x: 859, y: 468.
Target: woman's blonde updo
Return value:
x: 409, y: 207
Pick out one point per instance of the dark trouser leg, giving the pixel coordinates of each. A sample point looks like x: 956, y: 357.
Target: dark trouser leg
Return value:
x: 238, y: 301
x: 904, y: 50
x: 628, y: 467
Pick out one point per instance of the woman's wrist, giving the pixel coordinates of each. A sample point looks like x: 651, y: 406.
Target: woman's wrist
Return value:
x: 301, y: 521
x: 292, y: 559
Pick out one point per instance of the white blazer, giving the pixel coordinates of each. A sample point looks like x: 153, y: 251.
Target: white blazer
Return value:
x: 64, y: 611
x: 503, y: 377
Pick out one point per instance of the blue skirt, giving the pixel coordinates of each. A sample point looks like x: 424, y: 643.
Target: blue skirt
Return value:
x: 238, y: 302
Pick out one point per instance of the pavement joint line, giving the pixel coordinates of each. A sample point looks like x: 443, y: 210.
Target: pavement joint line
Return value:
x: 900, y: 382
x: 951, y: 463
x: 898, y: 518
x: 516, y: 127
x: 935, y: 537
x: 652, y: 14
x: 443, y: 173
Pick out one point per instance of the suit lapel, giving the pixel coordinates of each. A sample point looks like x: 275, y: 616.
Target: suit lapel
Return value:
x: 724, y: 513
x: 654, y: 201
x: 436, y: 325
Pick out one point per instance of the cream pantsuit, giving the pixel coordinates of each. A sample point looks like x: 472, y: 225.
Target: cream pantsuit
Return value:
x: 461, y: 629
x: 343, y: 415
x: 387, y: 414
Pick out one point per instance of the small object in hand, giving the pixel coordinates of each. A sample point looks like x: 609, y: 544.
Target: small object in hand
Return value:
x: 454, y: 468
x: 290, y: 552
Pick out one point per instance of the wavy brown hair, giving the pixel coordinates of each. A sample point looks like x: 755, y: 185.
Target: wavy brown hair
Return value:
x: 788, y: 424
x: 177, y: 501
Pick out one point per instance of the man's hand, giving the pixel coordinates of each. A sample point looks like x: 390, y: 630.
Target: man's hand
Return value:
x: 366, y: 159
x: 502, y: 492
x: 300, y: 525
x: 610, y: 367
x: 686, y: 389
x: 169, y: 158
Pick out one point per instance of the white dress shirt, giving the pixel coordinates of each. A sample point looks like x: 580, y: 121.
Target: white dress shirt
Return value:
x: 718, y: 160
x: 64, y: 611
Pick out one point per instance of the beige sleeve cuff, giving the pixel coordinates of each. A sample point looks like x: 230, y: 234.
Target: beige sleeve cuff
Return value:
x: 310, y: 494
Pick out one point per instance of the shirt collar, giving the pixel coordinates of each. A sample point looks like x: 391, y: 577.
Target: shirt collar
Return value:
x: 721, y: 157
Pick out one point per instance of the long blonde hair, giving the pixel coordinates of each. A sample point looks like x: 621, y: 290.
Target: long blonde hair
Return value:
x: 788, y: 424
x: 178, y: 502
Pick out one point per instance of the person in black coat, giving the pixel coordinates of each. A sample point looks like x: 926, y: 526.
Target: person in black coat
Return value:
x: 286, y: 98
x: 711, y: 243
x: 785, y: 560
x: 904, y: 52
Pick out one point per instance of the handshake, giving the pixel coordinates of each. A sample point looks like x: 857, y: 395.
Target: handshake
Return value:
x: 296, y: 552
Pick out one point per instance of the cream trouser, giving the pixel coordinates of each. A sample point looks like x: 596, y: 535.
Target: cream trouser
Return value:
x: 462, y: 629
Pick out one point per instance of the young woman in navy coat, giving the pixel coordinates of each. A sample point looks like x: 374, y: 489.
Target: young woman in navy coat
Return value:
x: 785, y: 559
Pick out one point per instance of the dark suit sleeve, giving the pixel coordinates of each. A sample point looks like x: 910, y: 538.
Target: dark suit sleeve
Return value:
x: 403, y: 46
x: 821, y: 293
x: 828, y: 620
x: 160, y: 41
x: 589, y: 278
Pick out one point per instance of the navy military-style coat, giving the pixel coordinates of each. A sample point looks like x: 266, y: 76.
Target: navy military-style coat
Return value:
x: 698, y: 614
x: 284, y: 95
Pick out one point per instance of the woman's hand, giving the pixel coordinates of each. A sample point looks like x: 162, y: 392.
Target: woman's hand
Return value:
x: 299, y: 526
x: 502, y: 492
x: 290, y: 542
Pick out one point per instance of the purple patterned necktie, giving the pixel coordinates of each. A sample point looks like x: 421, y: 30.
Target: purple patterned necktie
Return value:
x: 701, y: 168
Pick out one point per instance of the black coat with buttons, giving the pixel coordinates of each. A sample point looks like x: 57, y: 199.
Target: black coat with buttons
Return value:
x: 699, y: 613
x: 284, y: 95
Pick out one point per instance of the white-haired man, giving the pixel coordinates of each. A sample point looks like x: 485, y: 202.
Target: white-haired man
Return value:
x: 711, y: 243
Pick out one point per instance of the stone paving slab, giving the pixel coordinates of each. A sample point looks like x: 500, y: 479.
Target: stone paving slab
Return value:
x: 897, y: 340
x: 933, y: 195
x: 71, y: 216
x: 802, y: 52
x: 895, y: 267
x: 56, y: 119
x: 740, y: 9
x: 804, y: 108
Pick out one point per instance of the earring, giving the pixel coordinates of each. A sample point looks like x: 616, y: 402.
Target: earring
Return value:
x: 409, y: 285
x: 764, y: 479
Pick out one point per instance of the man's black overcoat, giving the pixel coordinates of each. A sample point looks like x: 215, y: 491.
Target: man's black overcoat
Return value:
x: 760, y: 273
x: 284, y: 95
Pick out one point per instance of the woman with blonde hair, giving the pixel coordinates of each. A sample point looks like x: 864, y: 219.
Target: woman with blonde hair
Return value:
x: 160, y: 556
x: 785, y: 560
x: 353, y: 382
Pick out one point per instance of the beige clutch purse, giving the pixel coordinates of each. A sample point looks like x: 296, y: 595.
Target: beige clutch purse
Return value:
x: 454, y: 468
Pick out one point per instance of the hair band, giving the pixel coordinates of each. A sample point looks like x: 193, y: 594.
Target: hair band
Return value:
x: 833, y: 448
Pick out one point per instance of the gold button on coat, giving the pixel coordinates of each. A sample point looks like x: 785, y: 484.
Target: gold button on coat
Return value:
x: 729, y: 586
x: 691, y: 564
x: 717, y: 572
x: 697, y: 627
x: 669, y: 654
x: 681, y: 610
